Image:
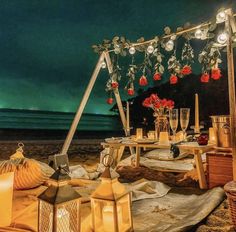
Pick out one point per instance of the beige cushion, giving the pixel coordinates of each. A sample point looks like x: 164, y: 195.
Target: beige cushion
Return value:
x: 28, y: 173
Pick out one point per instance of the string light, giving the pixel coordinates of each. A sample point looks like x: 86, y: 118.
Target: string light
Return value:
x: 222, y: 38
x: 150, y: 49
x: 169, y: 45
x: 117, y: 48
x: 132, y: 50
x: 221, y: 17
x: 198, y: 34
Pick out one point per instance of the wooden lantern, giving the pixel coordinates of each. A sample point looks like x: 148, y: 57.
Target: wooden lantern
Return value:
x: 111, y: 205
x: 59, y: 206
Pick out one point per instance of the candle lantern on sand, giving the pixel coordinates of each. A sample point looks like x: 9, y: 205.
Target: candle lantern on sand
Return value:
x: 111, y: 204
x: 59, y: 206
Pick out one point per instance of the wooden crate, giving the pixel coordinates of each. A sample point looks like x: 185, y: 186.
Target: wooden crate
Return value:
x: 219, y: 168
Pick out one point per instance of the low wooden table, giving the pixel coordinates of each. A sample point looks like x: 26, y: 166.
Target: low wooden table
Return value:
x: 117, y: 149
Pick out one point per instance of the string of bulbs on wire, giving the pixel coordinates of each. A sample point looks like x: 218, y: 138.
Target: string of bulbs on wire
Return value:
x: 209, y: 57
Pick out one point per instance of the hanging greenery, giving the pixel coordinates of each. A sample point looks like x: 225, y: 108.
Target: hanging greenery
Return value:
x: 153, y: 53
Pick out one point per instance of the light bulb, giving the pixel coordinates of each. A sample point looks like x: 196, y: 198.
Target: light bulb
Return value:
x: 132, y: 50
x: 103, y: 64
x: 198, y: 34
x: 117, y: 48
x: 221, y: 17
x: 169, y: 45
x: 222, y: 38
x: 150, y: 49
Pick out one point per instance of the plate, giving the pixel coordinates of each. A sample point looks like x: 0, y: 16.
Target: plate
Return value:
x: 113, y: 140
x: 145, y: 141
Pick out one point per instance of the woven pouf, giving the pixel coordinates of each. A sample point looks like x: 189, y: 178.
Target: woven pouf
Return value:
x: 230, y: 190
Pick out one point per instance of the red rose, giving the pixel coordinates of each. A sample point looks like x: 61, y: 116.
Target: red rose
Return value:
x: 154, y: 98
x: 164, y: 102
x: 130, y: 91
x: 186, y: 70
x: 114, y: 84
x: 147, y: 102
x: 205, y: 78
x: 157, y: 105
x: 157, y: 76
x: 143, y: 81
x: 216, y: 73
x: 173, y: 79
x: 109, y: 100
x: 170, y: 104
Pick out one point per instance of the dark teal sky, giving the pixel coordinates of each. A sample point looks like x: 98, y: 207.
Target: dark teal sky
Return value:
x: 45, y: 52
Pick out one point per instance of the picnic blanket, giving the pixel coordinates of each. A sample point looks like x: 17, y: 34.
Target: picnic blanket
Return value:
x: 156, y: 207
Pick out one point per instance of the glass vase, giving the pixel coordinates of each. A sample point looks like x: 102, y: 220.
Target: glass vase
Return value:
x: 161, y: 124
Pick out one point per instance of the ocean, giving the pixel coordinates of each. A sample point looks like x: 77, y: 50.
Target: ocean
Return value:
x: 47, y: 120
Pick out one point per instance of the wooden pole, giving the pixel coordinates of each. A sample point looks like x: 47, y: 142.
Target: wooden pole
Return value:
x: 200, y: 26
x: 231, y: 84
x: 82, y: 105
x: 117, y: 94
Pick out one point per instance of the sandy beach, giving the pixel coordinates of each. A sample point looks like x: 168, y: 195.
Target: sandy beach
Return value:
x: 86, y: 152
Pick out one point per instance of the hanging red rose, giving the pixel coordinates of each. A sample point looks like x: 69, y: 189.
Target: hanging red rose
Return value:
x: 216, y: 73
x: 173, y: 79
x: 205, y: 77
x: 130, y: 91
x: 114, y: 84
x: 186, y: 70
x: 109, y: 100
x: 157, y: 76
x: 143, y: 81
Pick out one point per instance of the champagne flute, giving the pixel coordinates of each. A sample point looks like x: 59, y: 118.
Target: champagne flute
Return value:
x: 184, y: 120
x: 174, y: 119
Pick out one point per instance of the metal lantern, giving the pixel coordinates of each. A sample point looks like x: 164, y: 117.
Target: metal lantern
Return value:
x: 111, y: 205
x: 59, y: 206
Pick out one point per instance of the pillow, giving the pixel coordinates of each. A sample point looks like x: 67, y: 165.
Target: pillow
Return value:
x: 29, y: 173
x: 164, y: 154
x: 6, y: 194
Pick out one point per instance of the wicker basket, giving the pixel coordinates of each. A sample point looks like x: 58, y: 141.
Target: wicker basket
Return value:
x: 230, y: 190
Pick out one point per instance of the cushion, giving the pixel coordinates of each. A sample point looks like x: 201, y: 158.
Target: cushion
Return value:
x: 164, y: 154
x: 6, y: 195
x: 29, y: 173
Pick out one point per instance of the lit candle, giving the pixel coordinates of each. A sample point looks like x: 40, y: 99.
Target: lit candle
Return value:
x: 127, y: 119
x: 196, y: 128
x: 151, y: 134
x: 108, y: 219
x: 6, y: 194
x: 164, y: 138
x: 212, y: 136
x: 139, y: 133
x: 63, y: 220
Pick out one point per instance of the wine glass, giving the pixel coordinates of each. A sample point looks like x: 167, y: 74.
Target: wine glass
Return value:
x: 174, y: 119
x: 184, y: 119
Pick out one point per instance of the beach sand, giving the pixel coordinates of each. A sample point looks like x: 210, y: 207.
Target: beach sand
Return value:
x: 86, y: 152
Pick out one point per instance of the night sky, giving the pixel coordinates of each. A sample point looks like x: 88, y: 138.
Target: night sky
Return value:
x: 46, y: 58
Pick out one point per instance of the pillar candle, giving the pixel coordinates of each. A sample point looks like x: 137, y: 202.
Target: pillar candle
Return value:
x: 212, y: 136
x: 108, y: 219
x: 164, y: 138
x: 196, y: 128
x: 63, y: 220
x: 139, y: 133
x: 6, y: 194
x: 127, y: 119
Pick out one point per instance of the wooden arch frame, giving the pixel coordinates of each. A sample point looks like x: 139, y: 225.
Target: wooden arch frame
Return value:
x: 230, y: 27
